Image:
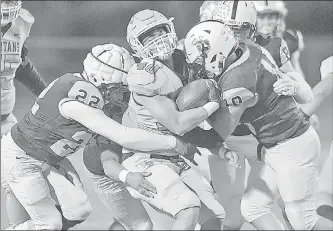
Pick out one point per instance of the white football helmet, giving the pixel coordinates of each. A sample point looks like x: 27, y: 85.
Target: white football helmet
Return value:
x: 145, y: 22
x: 106, y: 64
x: 271, y: 17
x: 240, y: 16
x: 206, y: 10
x: 10, y: 10
x: 208, y: 44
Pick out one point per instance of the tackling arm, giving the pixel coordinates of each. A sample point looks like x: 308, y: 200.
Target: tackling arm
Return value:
x: 164, y: 110
x: 132, y: 138
x: 28, y: 75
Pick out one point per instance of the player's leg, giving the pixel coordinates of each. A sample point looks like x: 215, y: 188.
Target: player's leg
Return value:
x: 173, y: 196
x: 128, y: 211
x: 73, y: 202
x: 325, y: 185
x: 295, y: 162
x: 15, y: 211
x: 25, y: 178
x: 260, y: 194
x: 244, y: 145
x: 204, y: 191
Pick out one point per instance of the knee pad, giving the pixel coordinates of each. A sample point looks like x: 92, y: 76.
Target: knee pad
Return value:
x: 301, y: 215
x: 252, y: 211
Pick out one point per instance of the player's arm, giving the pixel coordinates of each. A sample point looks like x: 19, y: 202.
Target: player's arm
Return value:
x: 322, y: 89
x: 164, y: 110
x: 28, y: 75
x: 132, y: 138
x: 226, y: 119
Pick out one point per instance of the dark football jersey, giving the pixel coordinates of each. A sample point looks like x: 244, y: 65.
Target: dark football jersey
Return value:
x: 274, y: 118
x: 44, y: 133
x: 291, y: 38
x: 277, y: 47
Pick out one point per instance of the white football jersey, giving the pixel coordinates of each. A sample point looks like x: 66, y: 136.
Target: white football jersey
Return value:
x: 11, y: 47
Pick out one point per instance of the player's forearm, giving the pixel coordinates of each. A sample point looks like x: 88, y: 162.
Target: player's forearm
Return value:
x: 320, y: 92
x: 30, y: 78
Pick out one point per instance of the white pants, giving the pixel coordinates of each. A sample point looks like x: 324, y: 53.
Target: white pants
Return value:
x: 8, y: 123
x: 24, y: 175
x: 291, y: 170
x: 123, y: 207
x: 325, y: 180
x: 172, y: 194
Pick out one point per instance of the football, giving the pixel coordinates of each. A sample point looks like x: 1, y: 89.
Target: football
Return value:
x: 193, y: 95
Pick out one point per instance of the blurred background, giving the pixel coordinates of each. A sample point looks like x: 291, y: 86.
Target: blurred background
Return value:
x: 64, y: 31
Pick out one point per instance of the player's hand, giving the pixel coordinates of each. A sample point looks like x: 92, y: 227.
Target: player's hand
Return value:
x: 285, y: 86
x: 214, y: 92
x: 231, y: 158
x: 137, y: 181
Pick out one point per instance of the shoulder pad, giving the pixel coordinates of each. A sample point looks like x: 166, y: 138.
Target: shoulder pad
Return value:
x: 26, y: 16
x: 86, y: 93
x: 145, y: 77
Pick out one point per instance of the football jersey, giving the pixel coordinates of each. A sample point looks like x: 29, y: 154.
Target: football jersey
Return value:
x: 274, y: 118
x: 11, y: 57
x: 44, y: 133
x: 146, y: 79
x: 277, y: 47
x: 292, y: 40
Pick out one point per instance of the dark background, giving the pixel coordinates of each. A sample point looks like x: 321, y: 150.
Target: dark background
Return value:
x: 64, y: 31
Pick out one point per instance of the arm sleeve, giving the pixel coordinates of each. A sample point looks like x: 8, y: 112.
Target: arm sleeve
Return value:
x: 28, y: 75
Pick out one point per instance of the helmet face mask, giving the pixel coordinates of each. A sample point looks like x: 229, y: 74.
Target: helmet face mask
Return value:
x: 268, y: 23
x: 151, y: 35
x: 10, y: 10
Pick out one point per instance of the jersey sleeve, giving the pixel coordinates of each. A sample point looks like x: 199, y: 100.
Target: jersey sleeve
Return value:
x: 28, y: 19
x: 238, y: 87
x: 284, y: 53
x: 145, y: 78
x: 83, y: 92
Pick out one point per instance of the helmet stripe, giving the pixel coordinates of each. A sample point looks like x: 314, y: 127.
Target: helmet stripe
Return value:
x: 107, y: 64
x: 234, y: 9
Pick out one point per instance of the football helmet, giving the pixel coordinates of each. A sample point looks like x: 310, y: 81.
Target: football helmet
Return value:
x: 142, y: 25
x: 206, y: 10
x: 106, y: 66
x: 240, y: 16
x: 271, y: 17
x: 10, y: 10
x: 208, y: 44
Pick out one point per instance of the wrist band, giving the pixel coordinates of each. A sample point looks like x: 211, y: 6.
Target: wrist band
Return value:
x: 122, y: 175
x: 211, y: 107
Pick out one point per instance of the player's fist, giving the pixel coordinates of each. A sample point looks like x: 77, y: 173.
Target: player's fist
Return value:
x: 285, y: 86
x: 231, y: 158
x: 137, y: 181
x: 214, y: 92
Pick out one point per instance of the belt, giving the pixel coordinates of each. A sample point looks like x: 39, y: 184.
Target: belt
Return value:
x: 172, y: 159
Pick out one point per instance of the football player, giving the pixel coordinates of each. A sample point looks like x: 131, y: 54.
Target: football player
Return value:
x: 321, y: 91
x: 64, y: 118
x: 271, y: 23
x: 152, y: 37
x: 291, y: 145
x: 15, y: 28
